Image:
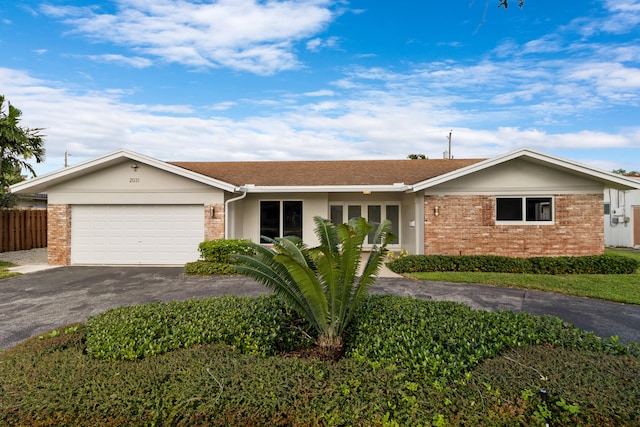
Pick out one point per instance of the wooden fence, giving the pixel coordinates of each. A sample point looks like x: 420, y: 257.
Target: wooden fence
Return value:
x: 22, y: 229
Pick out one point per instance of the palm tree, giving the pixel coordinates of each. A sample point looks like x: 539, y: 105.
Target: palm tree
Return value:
x: 321, y: 283
x: 17, y: 146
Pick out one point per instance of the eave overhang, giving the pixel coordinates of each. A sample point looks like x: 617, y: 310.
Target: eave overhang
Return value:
x: 364, y: 189
x: 42, y: 183
x: 608, y: 179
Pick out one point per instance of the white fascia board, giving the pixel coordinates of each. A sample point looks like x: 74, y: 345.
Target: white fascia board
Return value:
x: 607, y: 178
x: 249, y: 188
x: 41, y: 183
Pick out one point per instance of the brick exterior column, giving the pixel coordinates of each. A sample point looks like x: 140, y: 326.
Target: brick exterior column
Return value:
x: 214, y: 227
x: 59, y: 234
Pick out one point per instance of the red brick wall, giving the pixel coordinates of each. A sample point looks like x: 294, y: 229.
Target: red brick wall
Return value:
x: 214, y: 227
x: 466, y: 225
x: 59, y: 234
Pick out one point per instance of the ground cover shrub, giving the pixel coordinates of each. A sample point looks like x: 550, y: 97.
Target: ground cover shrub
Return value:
x: 216, y: 257
x: 596, y: 264
x: 51, y: 380
x: 583, y: 388
x: 437, y: 341
x: 256, y: 326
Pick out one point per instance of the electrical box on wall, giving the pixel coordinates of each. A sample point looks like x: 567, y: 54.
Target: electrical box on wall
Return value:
x: 617, y: 212
x: 620, y: 220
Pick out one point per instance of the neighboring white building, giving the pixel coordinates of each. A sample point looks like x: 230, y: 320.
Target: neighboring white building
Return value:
x: 622, y: 217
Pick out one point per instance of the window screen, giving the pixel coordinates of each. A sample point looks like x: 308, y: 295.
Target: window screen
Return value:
x: 269, y: 219
x: 509, y: 209
x: 538, y: 208
x: 292, y: 219
x: 393, y: 215
x: 337, y: 214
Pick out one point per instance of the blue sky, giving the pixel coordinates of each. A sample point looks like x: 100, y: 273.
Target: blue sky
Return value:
x: 320, y: 79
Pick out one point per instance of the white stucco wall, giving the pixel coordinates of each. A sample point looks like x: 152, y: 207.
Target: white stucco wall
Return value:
x: 122, y: 184
x: 247, y: 213
x: 519, y: 177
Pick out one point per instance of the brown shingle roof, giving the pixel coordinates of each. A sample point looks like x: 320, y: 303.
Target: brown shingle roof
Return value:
x: 319, y: 173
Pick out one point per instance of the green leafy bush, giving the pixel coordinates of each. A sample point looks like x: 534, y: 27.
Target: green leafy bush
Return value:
x: 596, y: 264
x: 220, y: 251
x: 444, y: 339
x: 216, y: 257
x: 256, y: 326
x: 208, y: 268
x: 402, y: 371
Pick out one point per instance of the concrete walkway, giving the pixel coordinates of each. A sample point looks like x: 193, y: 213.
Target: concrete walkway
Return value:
x: 34, y: 303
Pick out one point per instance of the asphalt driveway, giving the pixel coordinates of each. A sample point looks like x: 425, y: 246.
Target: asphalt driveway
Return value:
x: 38, y: 302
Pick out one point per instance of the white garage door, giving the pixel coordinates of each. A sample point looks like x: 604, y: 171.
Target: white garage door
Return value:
x: 136, y: 234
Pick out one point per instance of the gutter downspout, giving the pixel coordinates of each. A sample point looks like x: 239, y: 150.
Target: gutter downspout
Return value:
x: 227, y: 222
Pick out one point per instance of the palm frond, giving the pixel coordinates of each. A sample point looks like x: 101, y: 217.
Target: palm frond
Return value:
x: 264, y: 269
x: 326, y: 233
x: 310, y: 288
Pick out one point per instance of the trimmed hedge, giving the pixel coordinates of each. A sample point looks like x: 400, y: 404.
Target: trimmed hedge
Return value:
x: 595, y: 264
x: 208, y: 268
x: 220, y: 250
x: 216, y: 257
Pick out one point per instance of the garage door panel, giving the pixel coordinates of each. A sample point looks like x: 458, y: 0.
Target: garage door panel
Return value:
x: 136, y: 234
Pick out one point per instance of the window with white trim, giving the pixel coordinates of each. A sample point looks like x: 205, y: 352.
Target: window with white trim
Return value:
x: 524, y: 210
x: 374, y: 213
x: 280, y: 218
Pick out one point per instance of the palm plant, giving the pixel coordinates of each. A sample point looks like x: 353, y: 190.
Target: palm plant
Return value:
x: 322, y: 283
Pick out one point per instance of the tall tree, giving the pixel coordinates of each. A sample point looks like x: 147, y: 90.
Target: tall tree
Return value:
x: 322, y: 284
x: 18, y: 146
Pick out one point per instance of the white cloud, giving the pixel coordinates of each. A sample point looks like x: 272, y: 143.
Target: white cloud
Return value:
x: 548, y: 44
x: 510, y: 98
x: 135, y: 62
x: 324, y: 92
x: 315, y: 45
x: 247, y: 35
x: 222, y: 106
x: 625, y: 16
x: 612, y: 80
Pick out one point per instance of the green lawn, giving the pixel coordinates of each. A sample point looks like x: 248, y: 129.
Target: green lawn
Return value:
x: 612, y: 287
